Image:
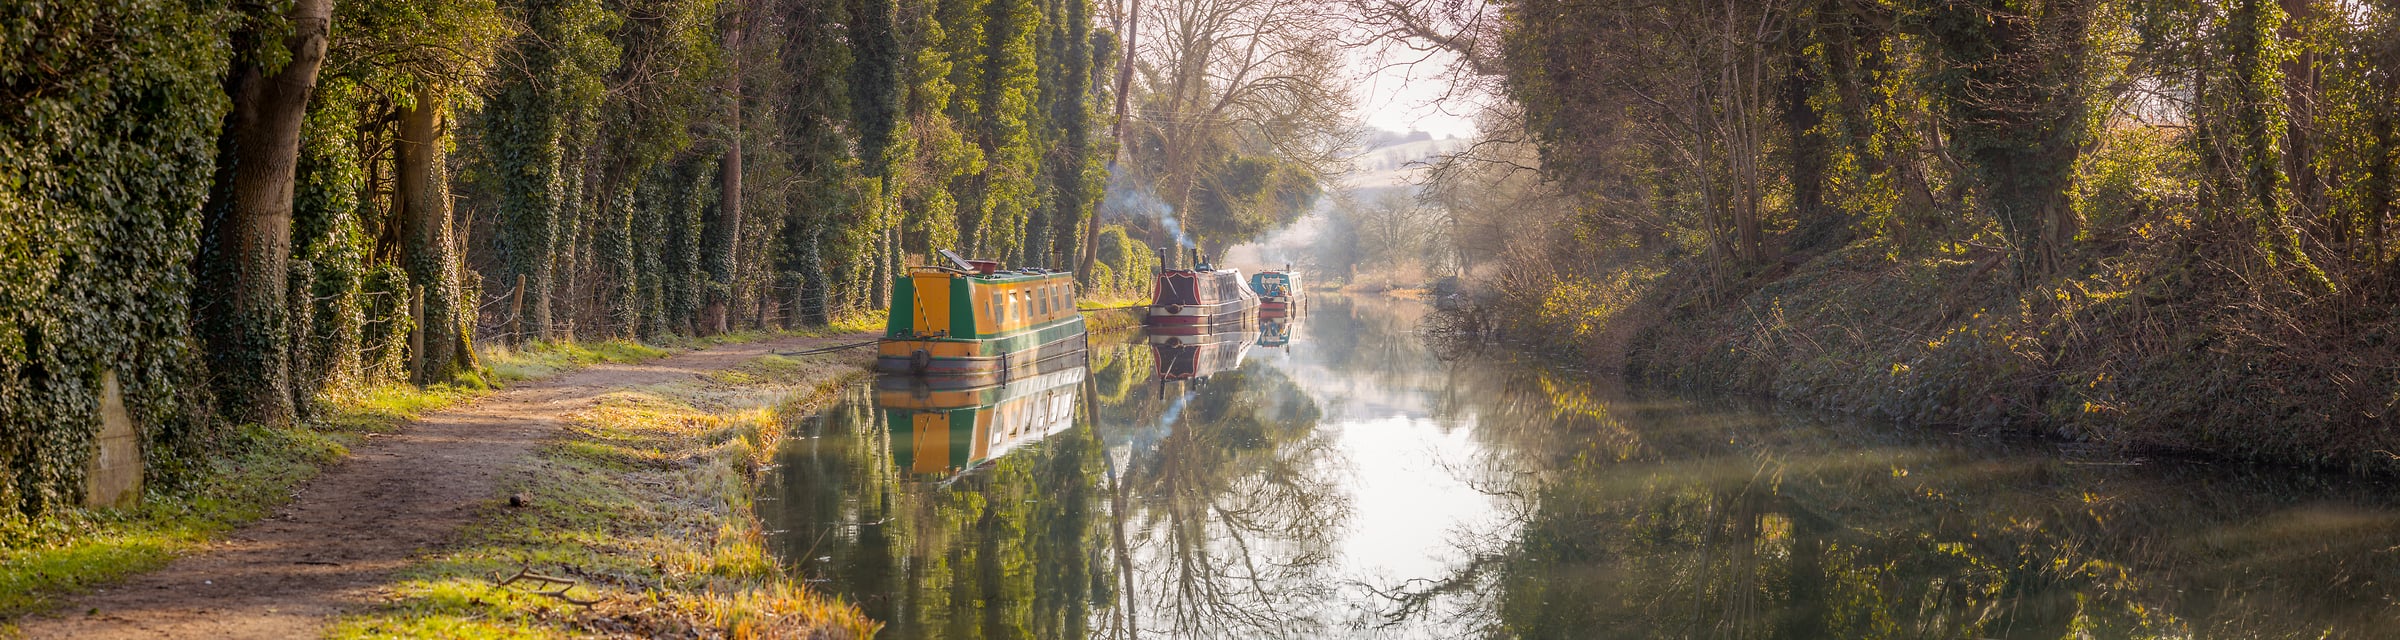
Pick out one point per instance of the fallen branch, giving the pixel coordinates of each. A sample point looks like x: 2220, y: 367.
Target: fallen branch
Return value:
x: 564, y: 585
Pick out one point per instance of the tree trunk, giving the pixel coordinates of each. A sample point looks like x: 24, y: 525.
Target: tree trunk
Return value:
x: 729, y: 199
x: 1116, y: 131
x: 243, y: 265
x: 2383, y: 171
x: 2300, y: 123
x: 1808, y: 151
x: 421, y: 203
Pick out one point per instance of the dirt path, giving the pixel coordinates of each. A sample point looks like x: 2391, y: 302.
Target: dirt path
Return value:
x: 351, y: 527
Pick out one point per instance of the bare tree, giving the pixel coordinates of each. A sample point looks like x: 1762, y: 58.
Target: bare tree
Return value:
x: 1257, y: 77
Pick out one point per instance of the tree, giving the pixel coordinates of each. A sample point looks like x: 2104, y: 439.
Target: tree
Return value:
x: 2016, y: 102
x: 422, y: 209
x: 248, y: 225
x: 549, y: 80
x: 1223, y: 79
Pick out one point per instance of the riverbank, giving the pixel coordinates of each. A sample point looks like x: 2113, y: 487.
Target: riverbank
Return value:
x: 637, y: 521
x: 257, y: 471
x: 2145, y: 349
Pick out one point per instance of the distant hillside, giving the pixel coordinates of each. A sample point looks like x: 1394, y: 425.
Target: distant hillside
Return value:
x: 1389, y: 157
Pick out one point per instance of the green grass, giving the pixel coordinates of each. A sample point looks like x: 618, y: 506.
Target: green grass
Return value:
x: 1111, y: 300
x: 645, y: 503
x: 1111, y: 320
x: 78, y: 549
x: 542, y: 359
x: 253, y: 471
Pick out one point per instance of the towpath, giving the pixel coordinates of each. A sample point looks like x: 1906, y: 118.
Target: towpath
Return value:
x: 346, y: 531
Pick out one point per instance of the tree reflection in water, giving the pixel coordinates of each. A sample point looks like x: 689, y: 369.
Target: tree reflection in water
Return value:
x: 1229, y: 511
x: 1238, y: 513
x: 1246, y: 505
x: 1651, y: 517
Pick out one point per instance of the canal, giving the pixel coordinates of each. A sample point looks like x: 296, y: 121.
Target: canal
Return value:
x: 1333, y: 477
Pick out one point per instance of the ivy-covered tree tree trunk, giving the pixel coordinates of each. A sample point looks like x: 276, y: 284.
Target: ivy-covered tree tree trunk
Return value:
x: 1806, y: 152
x: 726, y: 233
x: 879, y: 92
x: 247, y: 230
x: 1131, y: 28
x: 2018, y: 111
x: 1066, y: 87
x: 2253, y: 49
x: 422, y: 206
x: 328, y: 252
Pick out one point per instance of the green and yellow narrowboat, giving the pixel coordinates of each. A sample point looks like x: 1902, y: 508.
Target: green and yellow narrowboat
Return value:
x: 978, y: 324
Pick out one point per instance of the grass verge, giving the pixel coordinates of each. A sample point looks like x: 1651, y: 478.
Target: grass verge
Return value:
x: 1108, y: 320
x: 66, y: 552
x: 642, y: 511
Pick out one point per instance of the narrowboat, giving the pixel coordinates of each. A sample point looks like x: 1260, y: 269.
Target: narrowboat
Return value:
x: 1278, y: 292
x: 942, y: 434
x: 972, y: 323
x: 1200, y: 356
x: 1196, y: 301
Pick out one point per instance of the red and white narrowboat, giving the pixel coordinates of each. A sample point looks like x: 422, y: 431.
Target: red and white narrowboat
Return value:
x: 1195, y: 301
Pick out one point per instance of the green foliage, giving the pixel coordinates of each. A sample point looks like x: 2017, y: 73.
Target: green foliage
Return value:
x: 330, y: 244
x: 1124, y: 265
x: 106, y: 145
x: 1244, y: 197
x: 550, y: 80
x: 998, y: 91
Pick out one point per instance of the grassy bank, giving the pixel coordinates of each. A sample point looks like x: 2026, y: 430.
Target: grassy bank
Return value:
x: 254, y: 471
x: 643, y: 511
x: 2142, y: 347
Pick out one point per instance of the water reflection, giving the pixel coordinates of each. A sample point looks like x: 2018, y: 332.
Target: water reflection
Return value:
x: 1353, y: 485
x: 1276, y: 331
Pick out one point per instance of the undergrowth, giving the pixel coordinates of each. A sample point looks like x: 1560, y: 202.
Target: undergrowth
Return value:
x: 644, y: 504
x: 2140, y: 348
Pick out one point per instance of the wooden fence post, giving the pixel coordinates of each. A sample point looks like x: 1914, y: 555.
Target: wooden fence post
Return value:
x: 516, y: 312
x: 416, y: 334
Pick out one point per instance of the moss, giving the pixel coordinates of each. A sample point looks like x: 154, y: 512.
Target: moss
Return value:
x: 646, y: 504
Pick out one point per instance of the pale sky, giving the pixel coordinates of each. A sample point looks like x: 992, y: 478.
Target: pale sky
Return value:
x: 1402, y: 98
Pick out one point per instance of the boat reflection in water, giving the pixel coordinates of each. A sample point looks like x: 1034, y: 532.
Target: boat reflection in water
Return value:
x: 941, y: 433
x: 1196, y: 357
x: 1277, y: 331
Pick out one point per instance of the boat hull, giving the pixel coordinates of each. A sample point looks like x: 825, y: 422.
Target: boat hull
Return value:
x: 1278, y: 306
x: 1197, y: 319
x: 947, y: 363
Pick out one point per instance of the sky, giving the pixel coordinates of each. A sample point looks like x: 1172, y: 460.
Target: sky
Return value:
x: 1406, y: 98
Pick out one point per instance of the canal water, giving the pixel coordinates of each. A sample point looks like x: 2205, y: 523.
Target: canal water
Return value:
x: 1334, y: 477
